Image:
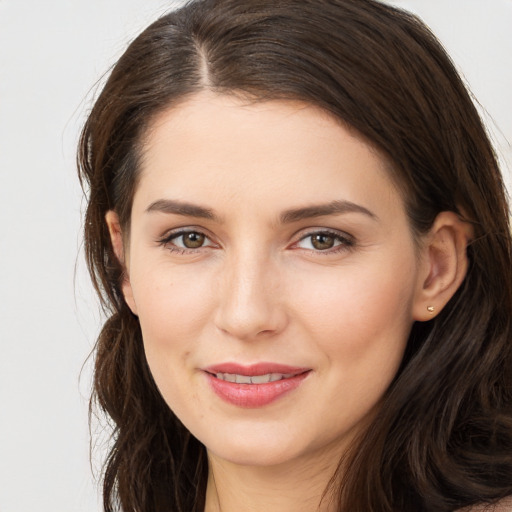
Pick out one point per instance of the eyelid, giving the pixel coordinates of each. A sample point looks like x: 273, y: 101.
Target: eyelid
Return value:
x: 172, y: 234
x: 304, y: 233
x: 347, y: 240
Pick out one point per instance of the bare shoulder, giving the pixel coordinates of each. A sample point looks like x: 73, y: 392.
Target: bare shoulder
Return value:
x: 504, y: 505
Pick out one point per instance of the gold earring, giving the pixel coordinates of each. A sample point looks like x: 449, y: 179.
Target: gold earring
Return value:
x: 430, y: 309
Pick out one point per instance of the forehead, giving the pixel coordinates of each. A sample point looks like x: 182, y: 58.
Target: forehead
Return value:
x: 214, y: 146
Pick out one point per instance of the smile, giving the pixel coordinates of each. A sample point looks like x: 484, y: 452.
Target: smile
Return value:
x: 253, y: 379
x: 255, y: 385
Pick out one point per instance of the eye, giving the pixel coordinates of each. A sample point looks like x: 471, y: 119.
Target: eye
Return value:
x: 190, y: 240
x: 325, y: 241
x: 186, y: 240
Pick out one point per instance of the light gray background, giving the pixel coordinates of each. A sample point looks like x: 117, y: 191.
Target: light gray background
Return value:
x: 51, y: 55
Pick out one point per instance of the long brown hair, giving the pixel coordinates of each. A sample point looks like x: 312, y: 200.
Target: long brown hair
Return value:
x: 443, y: 436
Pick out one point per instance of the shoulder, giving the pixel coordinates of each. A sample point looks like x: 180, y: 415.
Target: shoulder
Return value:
x: 504, y: 505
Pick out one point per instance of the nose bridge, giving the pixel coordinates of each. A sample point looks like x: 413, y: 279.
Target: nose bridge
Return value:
x: 248, y: 295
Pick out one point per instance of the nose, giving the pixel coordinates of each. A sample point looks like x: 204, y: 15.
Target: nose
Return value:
x: 250, y: 302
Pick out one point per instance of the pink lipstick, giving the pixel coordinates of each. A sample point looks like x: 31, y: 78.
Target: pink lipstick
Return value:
x: 254, y: 385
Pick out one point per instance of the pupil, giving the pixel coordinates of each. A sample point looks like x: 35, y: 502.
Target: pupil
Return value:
x: 322, y: 241
x: 193, y: 240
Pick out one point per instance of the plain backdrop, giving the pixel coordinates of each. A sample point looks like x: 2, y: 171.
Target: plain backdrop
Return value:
x: 52, y: 55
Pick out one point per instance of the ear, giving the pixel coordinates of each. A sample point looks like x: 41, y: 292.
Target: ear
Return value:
x: 444, y: 264
x: 116, y: 238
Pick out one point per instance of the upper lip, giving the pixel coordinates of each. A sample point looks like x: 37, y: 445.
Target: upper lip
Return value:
x: 255, y: 369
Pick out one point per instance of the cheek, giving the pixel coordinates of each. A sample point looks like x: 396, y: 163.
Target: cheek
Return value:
x: 359, y: 323
x: 174, y: 308
x: 172, y: 311
x: 359, y: 313
x: 171, y: 300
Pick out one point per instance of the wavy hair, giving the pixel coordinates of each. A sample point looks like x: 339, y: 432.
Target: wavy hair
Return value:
x: 442, y: 438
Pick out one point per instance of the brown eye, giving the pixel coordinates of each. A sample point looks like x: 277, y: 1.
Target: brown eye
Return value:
x: 193, y: 240
x: 185, y: 240
x: 322, y: 241
x: 326, y: 242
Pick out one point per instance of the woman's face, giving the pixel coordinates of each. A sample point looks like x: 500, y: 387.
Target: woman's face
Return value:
x: 268, y: 241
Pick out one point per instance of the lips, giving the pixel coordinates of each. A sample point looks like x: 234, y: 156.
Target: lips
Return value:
x: 254, y: 385
x: 253, y: 379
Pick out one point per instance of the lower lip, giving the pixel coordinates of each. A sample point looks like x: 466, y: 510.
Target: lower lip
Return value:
x: 254, y: 395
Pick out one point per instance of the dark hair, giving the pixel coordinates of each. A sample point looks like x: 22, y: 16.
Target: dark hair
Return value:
x: 442, y: 438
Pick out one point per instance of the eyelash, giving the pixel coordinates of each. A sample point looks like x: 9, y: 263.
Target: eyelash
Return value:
x: 167, y: 241
x: 345, y: 241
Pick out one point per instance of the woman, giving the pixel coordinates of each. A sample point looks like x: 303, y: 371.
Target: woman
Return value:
x: 299, y: 229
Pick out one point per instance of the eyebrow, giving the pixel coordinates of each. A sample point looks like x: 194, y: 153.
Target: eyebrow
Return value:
x: 338, y: 207
x: 182, y: 208
x: 320, y: 210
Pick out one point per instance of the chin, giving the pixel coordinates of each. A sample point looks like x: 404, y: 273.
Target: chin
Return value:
x: 265, y: 449
x: 253, y: 456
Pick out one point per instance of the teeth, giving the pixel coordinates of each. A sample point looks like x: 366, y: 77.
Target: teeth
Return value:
x: 253, y: 379
x: 261, y: 379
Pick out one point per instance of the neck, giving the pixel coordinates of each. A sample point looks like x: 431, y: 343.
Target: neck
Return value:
x: 290, y: 487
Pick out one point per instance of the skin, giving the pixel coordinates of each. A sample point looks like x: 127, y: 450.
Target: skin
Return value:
x: 258, y: 289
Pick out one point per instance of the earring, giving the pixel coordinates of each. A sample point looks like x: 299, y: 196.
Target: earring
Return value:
x: 430, y: 309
